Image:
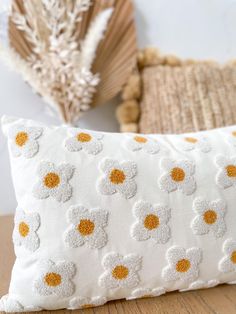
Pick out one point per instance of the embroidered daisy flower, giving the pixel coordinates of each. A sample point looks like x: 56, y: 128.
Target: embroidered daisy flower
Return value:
x: 23, y: 140
x: 140, y: 142
x: 146, y: 293
x: 178, y: 175
x: 87, y: 226
x: 200, y: 284
x: 86, y: 140
x: 189, y: 142
x: 151, y: 222
x: 86, y: 303
x: 120, y: 271
x: 26, y: 226
x: 231, y: 136
x: 226, y: 176
x: 182, y: 264
x: 119, y: 177
x: 10, y: 305
x: 53, y: 181
x: 55, y: 279
x: 210, y: 217
x: 228, y: 262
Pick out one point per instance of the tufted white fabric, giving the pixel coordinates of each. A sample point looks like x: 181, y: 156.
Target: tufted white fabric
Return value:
x: 105, y: 221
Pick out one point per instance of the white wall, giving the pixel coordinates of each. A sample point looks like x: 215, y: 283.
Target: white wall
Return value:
x: 188, y: 28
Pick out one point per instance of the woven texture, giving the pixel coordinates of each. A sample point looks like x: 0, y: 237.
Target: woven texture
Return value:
x: 187, y: 98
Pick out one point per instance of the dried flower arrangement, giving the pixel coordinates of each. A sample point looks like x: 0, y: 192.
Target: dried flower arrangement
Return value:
x: 75, y: 54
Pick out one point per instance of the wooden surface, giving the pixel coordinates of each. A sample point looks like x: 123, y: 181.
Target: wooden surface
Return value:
x: 219, y: 300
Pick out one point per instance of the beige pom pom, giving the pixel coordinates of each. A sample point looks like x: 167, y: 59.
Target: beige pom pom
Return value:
x: 140, y: 59
x: 128, y: 112
x: 231, y: 62
x: 149, y: 56
x: 129, y: 128
x: 189, y: 61
x: 210, y: 62
x: 172, y: 61
x: 132, y: 90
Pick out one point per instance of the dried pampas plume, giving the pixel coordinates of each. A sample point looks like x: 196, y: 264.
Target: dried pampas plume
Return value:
x: 58, y: 47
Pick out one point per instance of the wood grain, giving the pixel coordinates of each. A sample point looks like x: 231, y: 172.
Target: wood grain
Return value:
x: 219, y: 300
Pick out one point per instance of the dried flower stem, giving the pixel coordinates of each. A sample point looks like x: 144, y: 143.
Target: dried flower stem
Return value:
x: 59, y: 67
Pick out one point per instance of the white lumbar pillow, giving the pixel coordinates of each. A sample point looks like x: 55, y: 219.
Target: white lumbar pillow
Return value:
x: 104, y: 216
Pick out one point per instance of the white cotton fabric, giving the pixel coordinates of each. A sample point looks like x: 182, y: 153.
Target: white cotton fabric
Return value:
x: 108, y: 260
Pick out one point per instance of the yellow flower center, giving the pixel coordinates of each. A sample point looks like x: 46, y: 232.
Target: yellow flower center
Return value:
x: 51, y: 180
x: 210, y: 217
x: 52, y: 279
x: 120, y: 272
x: 23, y: 229
x: 21, y: 138
x: 86, y: 227
x: 87, y: 306
x: 177, y: 174
x: 191, y: 140
x: 84, y: 137
x: 233, y: 257
x: 117, y: 176
x: 151, y: 222
x: 231, y: 171
x: 140, y: 139
x: 183, y: 265
x: 234, y: 133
